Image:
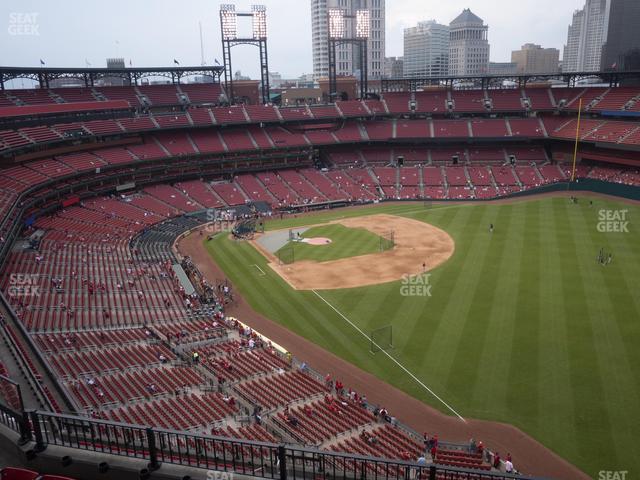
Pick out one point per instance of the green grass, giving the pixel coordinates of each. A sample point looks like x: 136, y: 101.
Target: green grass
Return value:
x: 523, y: 326
x: 345, y: 243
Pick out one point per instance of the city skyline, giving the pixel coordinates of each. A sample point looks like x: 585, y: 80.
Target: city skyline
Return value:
x: 171, y: 33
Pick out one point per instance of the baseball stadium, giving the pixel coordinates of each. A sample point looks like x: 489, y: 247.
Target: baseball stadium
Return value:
x: 405, y: 278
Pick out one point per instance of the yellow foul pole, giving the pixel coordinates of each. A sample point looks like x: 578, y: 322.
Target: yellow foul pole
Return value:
x: 575, y: 150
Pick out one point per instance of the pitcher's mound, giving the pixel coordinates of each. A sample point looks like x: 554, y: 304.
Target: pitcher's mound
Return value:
x: 316, y: 241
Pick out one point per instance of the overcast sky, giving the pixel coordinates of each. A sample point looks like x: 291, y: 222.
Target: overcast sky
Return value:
x: 153, y: 33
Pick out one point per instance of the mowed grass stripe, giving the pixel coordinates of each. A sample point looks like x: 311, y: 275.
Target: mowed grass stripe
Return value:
x: 430, y: 315
x: 604, y: 281
x: 449, y: 300
x: 555, y: 383
x: 523, y: 377
x: 497, y: 294
x: 481, y: 328
x: 590, y: 418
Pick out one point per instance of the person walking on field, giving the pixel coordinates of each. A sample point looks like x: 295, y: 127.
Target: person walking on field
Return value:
x: 491, y: 228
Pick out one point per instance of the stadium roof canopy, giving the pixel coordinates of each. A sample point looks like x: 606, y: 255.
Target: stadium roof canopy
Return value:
x: 44, y: 75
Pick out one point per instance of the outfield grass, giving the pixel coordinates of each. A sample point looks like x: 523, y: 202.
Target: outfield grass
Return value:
x: 345, y: 243
x: 523, y: 325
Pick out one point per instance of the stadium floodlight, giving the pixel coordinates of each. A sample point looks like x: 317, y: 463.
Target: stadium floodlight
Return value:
x: 336, y: 23
x: 229, y: 21
x: 259, y: 13
x: 363, y: 23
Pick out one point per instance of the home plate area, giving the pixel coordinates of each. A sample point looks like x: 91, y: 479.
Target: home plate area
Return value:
x: 316, y: 241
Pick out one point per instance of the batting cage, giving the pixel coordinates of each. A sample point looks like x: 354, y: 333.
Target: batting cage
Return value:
x: 381, y: 339
x: 286, y: 254
x: 387, y: 241
x: 245, y: 229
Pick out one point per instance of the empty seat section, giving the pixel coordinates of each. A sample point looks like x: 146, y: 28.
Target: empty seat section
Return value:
x: 412, y: 129
x: 489, y: 128
x: 450, y: 128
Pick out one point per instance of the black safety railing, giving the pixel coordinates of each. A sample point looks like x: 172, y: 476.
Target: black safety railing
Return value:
x: 16, y: 421
x: 251, y: 458
x: 10, y: 418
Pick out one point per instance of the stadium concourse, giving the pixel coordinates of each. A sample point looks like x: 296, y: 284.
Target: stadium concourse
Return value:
x: 102, y: 318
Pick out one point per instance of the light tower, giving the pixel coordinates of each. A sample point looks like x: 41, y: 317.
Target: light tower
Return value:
x: 229, y: 28
x: 338, y: 36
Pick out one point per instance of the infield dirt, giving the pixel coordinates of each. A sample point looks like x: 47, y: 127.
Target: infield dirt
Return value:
x: 416, y: 243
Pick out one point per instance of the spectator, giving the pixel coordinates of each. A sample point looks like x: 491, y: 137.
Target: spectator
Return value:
x: 434, y: 452
x: 508, y: 466
x: 496, y: 460
x: 384, y: 415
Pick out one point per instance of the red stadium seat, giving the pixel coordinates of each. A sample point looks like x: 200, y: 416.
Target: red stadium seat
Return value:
x: 14, y: 473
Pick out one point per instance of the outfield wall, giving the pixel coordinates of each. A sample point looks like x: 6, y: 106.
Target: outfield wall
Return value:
x: 585, y: 185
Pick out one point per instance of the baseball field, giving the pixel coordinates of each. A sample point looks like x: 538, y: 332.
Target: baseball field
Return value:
x: 536, y: 324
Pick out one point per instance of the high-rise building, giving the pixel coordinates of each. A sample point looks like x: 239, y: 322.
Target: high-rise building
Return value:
x: 426, y: 50
x: 468, y: 45
x: 622, y: 48
x: 347, y: 59
x: 586, y: 36
x: 393, y: 67
x: 533, y: 58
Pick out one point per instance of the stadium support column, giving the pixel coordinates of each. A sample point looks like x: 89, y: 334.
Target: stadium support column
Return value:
x: 364, y: 68
x: 264, y: 71
x: 228, y: 75
x: 333, y: 81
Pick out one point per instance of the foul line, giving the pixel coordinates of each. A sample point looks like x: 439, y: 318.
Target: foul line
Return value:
x: 391, y: 358
x: 261, y: 271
